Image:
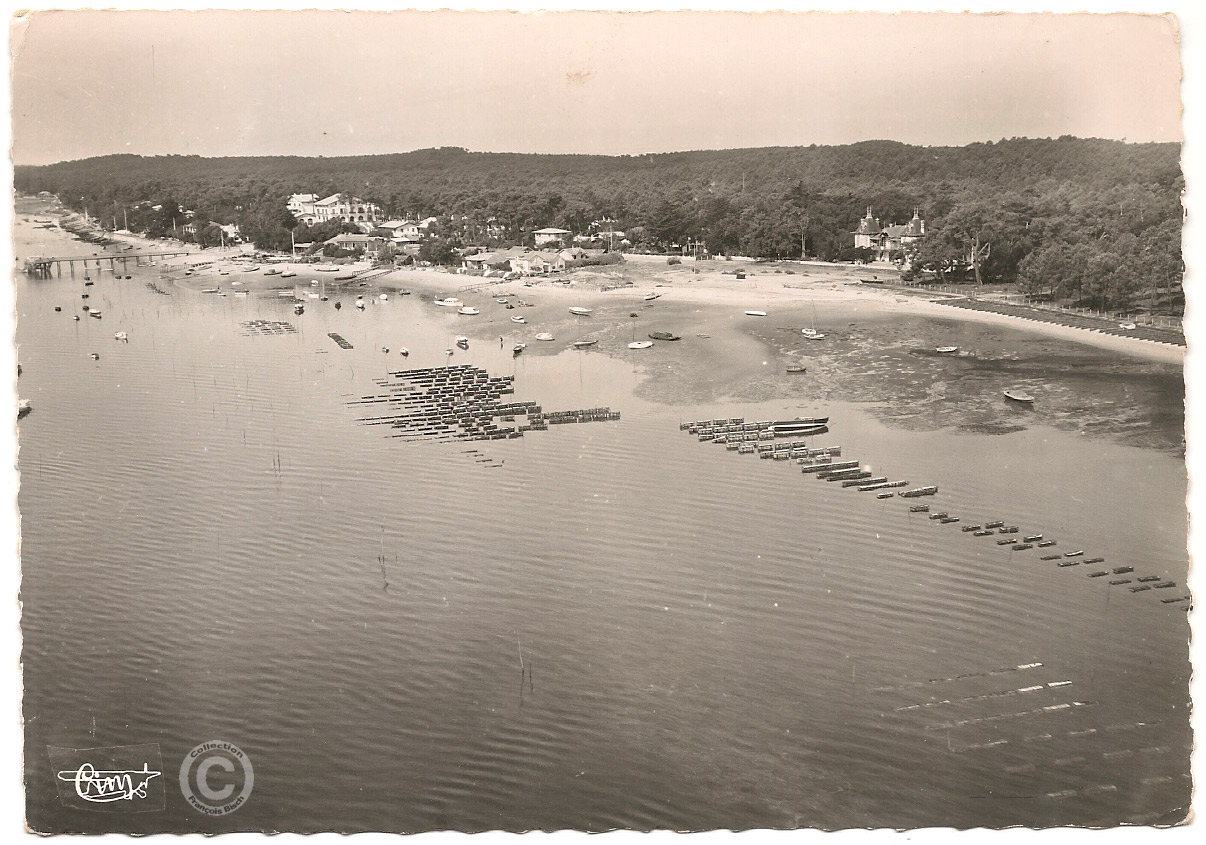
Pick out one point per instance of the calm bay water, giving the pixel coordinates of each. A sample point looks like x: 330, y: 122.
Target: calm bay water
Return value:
x: 213, y: 548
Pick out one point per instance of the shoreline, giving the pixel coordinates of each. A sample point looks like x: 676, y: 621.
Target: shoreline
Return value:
x: 713, y: 284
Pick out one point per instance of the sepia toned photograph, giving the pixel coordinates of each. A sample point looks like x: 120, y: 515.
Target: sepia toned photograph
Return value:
x: 599, y: 420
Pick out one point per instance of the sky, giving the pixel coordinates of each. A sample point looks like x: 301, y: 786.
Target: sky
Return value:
x: 331, y: 83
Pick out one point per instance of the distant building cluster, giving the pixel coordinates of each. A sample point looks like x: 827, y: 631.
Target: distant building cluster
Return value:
x: 309, y: 209
x: 888, y: 240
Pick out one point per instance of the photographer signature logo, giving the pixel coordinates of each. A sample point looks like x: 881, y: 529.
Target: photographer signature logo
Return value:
x: 102, y: 786
x: 117, y: 778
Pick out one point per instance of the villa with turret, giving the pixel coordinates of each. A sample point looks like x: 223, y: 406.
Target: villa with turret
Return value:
x: 890, y: 239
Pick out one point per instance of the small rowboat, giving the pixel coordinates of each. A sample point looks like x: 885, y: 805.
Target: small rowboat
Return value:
x: 468, y: 311
x: 518, y: 320
x: 544, y: 336
x: 796, y: 368
x: 1019, y: 396
x: 581, y: 344
x: 640, y: 344
x: 1127, y: 326
x: 519, y: 347
x: 649, y: 297
x: 755, y: 313
x: 288, y: 274
x: 580, y: 311
x: 663, y: 336
x: 946, y: 350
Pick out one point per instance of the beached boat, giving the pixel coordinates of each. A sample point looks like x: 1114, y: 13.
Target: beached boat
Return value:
x: 664, y: 336
x: 580, y: 311
x: 812, y: 334
x: 649, y: 297
x: 544, y: 336
x: 1019, y: 396
x: 755, y: 313
x: 796, y: 368
x: 288, y: 274
x: 784, y: 425
x: 946, y: 350
x: 468, y: 311
x: 640, y: 344
x: 581, y: 344
x: 518, y: 320
x: 1127, y: 326
x: 449, y: 302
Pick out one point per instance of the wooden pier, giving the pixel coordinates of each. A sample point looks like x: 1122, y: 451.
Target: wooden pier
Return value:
x: 43, y: 267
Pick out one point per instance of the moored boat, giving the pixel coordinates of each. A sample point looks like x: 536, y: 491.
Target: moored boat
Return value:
x: 544, y: 336
x: 580, y: 310
x: 468, y: 311
x: 946, y: 350
x: 581, y: 344
x: 23, y: 408
x: 755, y: 313
x: 663, y: 336
x: 518, y: 320
x: 1019, y: 396
x: 640, y: 344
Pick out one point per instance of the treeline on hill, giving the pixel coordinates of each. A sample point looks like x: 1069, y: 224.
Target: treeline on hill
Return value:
x: 1083, y: 220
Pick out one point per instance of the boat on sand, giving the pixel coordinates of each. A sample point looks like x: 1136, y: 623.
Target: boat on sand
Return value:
x: 640, y: 344
x: 1019, y: 396
x: 755, y: 313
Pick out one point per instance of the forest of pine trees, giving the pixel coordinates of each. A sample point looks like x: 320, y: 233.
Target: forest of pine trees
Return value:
x: 1086, y: 221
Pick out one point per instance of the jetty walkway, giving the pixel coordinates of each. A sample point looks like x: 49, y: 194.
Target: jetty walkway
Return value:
x: 1157, y: 334
x: 41, y: 267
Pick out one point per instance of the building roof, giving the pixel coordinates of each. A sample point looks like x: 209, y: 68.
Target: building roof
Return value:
x: 915, y: 227
x: 347, y: 237
x: 868, y: 225
x: 300, y: 198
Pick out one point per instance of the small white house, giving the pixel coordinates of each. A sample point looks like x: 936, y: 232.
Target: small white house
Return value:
x: 544, y: 236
